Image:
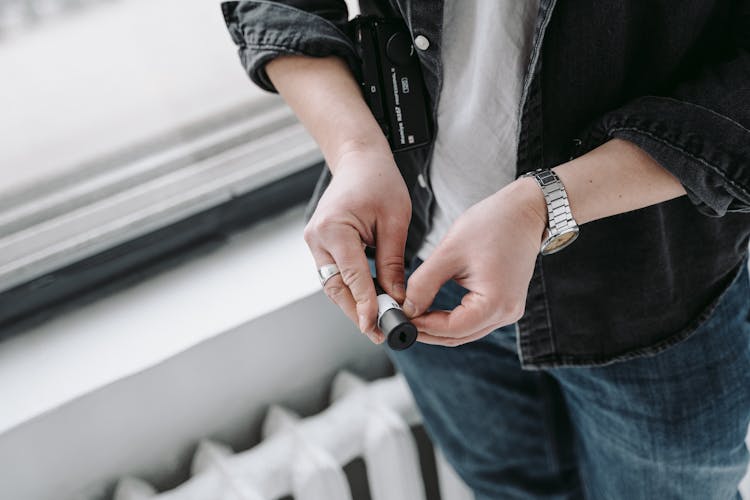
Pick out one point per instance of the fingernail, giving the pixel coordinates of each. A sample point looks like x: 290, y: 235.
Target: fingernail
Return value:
x: 362, y: 323
x: 399, y: 289
x: 373, y: 337
x: 409, y: 308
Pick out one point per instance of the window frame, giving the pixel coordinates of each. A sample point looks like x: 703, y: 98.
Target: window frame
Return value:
x: 259, y: 161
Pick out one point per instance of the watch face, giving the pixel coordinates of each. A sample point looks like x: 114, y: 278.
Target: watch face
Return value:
x: 559, y: 242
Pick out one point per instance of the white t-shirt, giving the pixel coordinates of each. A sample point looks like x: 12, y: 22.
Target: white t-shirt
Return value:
x: 486, y: 49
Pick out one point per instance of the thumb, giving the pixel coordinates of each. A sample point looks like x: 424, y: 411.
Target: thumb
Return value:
x: 389, y: 259
x: 426, y: 280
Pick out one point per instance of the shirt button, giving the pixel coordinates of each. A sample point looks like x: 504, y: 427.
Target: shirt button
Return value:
x: 421, y: 42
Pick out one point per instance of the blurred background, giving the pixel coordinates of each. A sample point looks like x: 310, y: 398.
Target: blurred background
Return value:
x: 86, y: 78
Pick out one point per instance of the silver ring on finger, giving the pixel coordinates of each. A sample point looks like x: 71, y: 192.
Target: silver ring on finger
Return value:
x: 327, y: 272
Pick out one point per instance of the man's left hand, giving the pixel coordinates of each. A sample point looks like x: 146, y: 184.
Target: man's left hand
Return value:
x: 490, y: 250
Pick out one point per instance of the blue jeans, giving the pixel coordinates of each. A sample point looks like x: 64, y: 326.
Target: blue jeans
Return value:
x: 669, y: 426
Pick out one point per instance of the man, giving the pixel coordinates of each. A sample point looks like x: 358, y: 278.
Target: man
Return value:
x: 633, y: 122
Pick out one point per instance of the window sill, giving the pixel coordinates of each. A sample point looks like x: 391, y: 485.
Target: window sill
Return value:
x: 258, y: 271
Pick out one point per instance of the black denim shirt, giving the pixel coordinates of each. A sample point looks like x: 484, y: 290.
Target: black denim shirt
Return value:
x: 673, y: 79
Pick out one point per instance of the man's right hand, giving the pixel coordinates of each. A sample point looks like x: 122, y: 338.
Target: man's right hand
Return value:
x: 366, y: 203
x: 367, y: 200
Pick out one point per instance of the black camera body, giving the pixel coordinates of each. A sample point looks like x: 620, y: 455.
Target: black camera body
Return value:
x: 391, y: 80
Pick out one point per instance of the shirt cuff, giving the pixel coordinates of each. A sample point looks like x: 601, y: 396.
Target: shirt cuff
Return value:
x: 264, y: 30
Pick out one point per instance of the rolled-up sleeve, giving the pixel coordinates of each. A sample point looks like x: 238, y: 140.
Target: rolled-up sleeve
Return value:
x: 263, y: 30
x: 700, y: 130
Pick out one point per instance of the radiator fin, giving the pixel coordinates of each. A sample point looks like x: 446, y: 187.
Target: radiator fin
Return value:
x: 130, y: 488
x: 208, y: 454
x: 391, y: 456
x: 304, y: 457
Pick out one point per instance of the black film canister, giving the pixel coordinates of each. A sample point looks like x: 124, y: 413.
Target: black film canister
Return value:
x: 400, y: 333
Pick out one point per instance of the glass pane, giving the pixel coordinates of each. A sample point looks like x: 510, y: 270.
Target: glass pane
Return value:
x: 82, y: 79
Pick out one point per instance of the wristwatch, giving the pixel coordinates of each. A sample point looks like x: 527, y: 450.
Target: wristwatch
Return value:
x: 562, y: 229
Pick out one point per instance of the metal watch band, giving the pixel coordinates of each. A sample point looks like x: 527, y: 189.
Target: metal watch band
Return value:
x: 558, y: 208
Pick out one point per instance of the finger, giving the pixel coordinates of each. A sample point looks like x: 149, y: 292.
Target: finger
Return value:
x: 340, y: 294
x: 426, y: 280
x: 345, y: 246
x: 390, y: 243
x: 472, y: 314
x: 334, y: 287
x: 426, y: 338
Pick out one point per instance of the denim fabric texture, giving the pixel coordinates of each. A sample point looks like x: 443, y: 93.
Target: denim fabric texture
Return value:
x: 675, y: 80
x: 667, y: 426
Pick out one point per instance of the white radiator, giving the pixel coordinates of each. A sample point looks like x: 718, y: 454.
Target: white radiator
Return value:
x: 304, y: 458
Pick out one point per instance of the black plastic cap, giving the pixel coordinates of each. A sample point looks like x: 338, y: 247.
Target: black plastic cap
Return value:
x: 399, y: 332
